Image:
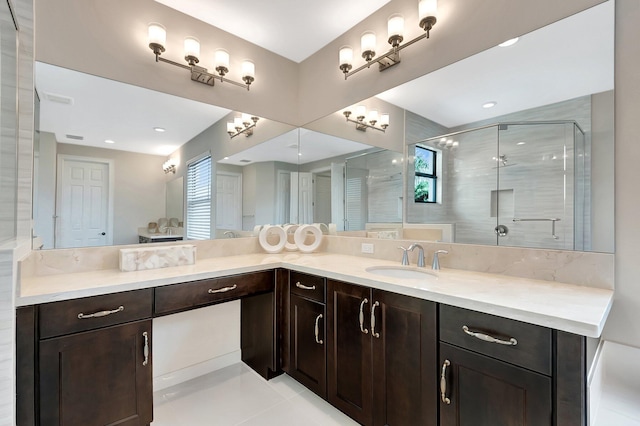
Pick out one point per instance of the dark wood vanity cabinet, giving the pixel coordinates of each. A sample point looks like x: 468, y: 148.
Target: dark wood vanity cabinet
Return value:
x: 382, y: 355
x: 99, y: 377
x: 307, y: 335
x: 86, y: 361
x: 498, y: 371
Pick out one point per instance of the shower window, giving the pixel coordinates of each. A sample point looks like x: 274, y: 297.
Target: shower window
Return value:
x: 426, y: 184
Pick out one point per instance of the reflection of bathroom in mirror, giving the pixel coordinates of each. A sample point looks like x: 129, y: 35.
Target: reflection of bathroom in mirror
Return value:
x: 329, y: 171
x: 175, y: 199
x: 522, y: 152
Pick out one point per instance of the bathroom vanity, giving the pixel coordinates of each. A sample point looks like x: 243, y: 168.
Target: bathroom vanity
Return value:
x: 461, y: 345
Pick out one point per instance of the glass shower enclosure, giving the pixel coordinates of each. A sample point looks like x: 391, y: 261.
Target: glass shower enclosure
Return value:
x: 522, y: 184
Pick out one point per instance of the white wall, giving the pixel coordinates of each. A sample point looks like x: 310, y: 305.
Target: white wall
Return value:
x: 623, y: 325
x: 44, y: 189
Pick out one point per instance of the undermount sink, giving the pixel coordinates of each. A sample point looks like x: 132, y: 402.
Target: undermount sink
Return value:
x: 403, y: 272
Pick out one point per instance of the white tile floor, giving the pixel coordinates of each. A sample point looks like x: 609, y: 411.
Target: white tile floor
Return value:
x: 236, y: 395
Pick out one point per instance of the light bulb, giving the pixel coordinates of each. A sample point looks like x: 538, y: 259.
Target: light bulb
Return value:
x: 191, y: 49
x: 373, y: 116
x: 361, y: 112
x: 237, y: 122
x: 395, y: 29
x: 384, y: 120
x: 248, y: 69
x: 231, y: 128
x: 346, y: 55
x: 246, y: 119
x: 427, y: 8
x: 368, y: 45
x: 221, y: 61
x: 157, y: 35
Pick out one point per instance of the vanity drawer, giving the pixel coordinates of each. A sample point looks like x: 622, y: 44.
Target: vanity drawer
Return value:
x: 88, y: 313
x: 309, y: 286
x: 180, y: 297
x: 533, y: 349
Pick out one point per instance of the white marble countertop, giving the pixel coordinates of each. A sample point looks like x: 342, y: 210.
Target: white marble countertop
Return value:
x: 566, y: 307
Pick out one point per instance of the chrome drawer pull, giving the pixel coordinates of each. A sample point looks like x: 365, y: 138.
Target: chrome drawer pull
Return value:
x: 101, y: 313
x: 305, y: 287
x: 223, y: 289
x: 373, y: 320
x: 317, y: 330
x: 364, y: 330
x: 145, y: 350
x: 490, y: 339
x: 443, y: 382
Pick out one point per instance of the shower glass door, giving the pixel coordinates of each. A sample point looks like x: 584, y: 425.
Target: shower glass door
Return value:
x: 534, y: 200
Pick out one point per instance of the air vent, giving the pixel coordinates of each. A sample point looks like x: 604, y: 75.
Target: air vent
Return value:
x: 61, y: 99
x: 75, y: 137
x: 245, y: 161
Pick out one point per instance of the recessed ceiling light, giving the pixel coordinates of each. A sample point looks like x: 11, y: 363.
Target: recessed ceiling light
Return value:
x: 109, y: 141
x: 490, y: 104
x: 509, y: 42
x: 159, y: 129
x: 225, y: 158
x: 521, y: 143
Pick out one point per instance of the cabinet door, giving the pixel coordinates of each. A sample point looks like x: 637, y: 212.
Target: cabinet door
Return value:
x: 308, y: 343
x: 100, y: 377
x: 349, y: 350
x: 486, y: 392
x: 404, y: 340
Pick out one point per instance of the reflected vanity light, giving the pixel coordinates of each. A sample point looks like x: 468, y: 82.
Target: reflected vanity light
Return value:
x: 366, y: 121
x: 157, y: 38
x: 427, y: 11
x: 169, y: 166
x: 242, y: 125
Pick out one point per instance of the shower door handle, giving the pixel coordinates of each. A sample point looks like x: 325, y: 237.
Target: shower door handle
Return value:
x: 501, y: 230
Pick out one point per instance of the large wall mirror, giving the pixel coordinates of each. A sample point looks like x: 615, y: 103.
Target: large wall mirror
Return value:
x: 512, y: 146
x: 535, y: 170
x: 101, y: 154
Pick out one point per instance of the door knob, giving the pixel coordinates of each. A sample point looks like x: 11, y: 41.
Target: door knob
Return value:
x: 104, y: 233
x: 501, y: 230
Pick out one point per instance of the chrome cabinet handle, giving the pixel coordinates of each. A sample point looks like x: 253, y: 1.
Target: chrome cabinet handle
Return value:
x: 443, y: 382
x: 490, y: 339
x: 304, y: 287
x: 101, y: 313
x: 317, y: 330
x: 145, y: 350
x: 364, y: 330
x: 373, y: 320
x: 223, y: 289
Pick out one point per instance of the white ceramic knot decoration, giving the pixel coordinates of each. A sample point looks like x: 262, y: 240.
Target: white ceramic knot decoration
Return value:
x: 289, y: 231
x: 272, y: 239
x: 301, y: 238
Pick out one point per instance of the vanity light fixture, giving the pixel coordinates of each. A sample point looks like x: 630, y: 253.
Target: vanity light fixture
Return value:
x: 366, y: 121
x: 242, y: 125
x: 157, y: 38
x: 169, y: 166
x: 427, y: 11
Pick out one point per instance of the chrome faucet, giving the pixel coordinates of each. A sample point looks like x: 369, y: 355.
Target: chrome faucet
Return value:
x: 436, y: 262
x: 405, y: 256
x: 420, y: 254
x: 230, y: 234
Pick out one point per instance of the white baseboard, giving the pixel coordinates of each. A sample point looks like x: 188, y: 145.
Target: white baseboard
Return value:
x: 170, y: 379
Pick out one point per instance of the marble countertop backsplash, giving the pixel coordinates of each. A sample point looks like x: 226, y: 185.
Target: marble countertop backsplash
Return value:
x: 569, y: 291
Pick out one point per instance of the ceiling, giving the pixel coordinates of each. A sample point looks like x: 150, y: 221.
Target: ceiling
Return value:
x: 577, y: 60
x: 291, y: 28
x: 565, y: 60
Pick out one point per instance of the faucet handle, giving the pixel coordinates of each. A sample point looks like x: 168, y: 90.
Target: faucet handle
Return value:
x: 405, y: 255
x: 436, y: 262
